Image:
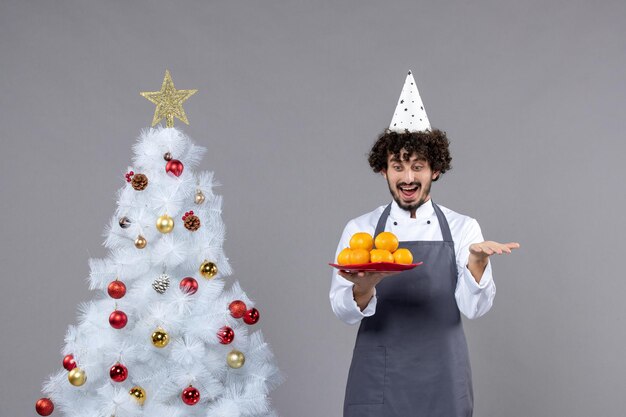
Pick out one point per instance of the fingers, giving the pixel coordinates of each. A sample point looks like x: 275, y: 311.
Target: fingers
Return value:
x: 350, y: 276
x: 498, y: 248
x: 346, y: 274
x: 360, y: 275
x: 482, y: 248
x: 507, y: 247
x: 490, y: 248
x: 475, y: 248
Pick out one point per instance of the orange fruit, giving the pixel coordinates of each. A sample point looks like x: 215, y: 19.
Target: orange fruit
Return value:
x: 387, y: 240
x: 403, y: 256
x: 359, y: 256
x: 381, y: 255
x: 362, y: 240
x: 344, y: 257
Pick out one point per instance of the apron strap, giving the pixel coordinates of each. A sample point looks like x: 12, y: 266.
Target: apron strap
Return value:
x: 382, y: 221
x: 443, y: 222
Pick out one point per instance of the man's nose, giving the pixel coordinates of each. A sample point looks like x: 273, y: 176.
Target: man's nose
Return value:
x: 409, y: 176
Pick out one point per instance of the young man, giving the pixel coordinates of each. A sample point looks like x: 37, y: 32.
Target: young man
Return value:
x: 410, y: 357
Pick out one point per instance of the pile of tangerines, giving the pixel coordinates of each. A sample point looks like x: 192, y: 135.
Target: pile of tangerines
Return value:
x: 365, y: 249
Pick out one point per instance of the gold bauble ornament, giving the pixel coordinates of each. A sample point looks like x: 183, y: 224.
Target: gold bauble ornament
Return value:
x: 160, y: 338
x: 165, y: 224
x: 208, y: 269
x: 77, y: 377
x: 235, y: 359
x: 199, y: 197
x: 138, y: 394
x: 140, y: 242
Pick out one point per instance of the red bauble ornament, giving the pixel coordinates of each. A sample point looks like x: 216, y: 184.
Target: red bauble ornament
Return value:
x: 174, y: 167
x: 116, y: 289
x: 190, y: 395
x: 226, y: 335
x: 189, y: 285
x: 68, y: 362
x: 237, y: 309
x: 118, y: 319
x: 251, y: 316
x: 118, y: 372
x: 44, y: 406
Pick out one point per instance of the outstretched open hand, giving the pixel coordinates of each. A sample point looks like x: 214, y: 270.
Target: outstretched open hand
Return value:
x: 485, y: 249
x: 480, y: 253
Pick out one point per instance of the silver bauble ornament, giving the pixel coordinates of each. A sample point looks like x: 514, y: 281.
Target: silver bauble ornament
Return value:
x: 125, y: 222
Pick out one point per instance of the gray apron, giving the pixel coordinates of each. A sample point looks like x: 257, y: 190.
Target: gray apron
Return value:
x: 410, y: 357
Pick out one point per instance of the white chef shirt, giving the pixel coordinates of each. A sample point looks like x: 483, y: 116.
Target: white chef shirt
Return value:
x: 472, y: 298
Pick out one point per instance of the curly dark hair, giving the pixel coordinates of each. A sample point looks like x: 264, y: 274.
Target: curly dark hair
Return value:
x: 431, y: 145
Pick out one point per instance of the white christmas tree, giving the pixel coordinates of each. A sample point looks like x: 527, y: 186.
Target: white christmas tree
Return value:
x: 163, y: 336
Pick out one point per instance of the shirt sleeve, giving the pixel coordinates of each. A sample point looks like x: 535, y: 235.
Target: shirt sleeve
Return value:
x: 341, y: 297
x: 473, y: 299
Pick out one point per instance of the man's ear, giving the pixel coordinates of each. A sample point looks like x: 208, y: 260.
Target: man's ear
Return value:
x: 384, y: 172
x: 435, y: 175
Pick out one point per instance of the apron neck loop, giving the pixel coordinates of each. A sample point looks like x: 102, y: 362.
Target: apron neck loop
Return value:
x: 443, y: 223
x: 382, y: 221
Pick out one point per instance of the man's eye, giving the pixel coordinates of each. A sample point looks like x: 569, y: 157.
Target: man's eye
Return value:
x: 417, y: 168
x: 397, y: 167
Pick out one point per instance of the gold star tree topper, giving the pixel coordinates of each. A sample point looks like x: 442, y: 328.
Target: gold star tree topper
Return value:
x: 169, y: 102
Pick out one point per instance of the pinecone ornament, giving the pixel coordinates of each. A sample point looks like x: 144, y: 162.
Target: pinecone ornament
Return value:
x: 192, y: 222
x: 161, y: 284
x: 138, y: 181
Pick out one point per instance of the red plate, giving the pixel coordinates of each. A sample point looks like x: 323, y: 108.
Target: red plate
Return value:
x: 376, y: 266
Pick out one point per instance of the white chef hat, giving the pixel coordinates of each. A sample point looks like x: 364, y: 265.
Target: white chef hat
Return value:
x: 410, y: 113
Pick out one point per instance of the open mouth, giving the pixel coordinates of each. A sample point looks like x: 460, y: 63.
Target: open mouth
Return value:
x: 408, y: 191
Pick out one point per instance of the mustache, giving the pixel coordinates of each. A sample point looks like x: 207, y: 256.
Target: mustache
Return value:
x: 404, y: 184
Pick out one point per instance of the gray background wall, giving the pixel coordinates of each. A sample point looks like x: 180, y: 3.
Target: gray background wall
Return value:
x: 291, y: 96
